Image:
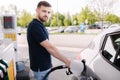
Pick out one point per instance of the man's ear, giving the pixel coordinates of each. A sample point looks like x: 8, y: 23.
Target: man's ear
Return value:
x: 37, y: 10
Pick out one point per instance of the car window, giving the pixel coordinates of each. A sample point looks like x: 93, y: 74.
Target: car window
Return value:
x: 117, y: 57
x: 117, y: 43
x: 110, y: 51
x: 110, y: 48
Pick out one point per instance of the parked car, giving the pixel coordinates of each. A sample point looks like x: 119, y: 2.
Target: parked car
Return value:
x: 49, y: 28
x: 61, y: 30
x: 103, y: 54
x: 114, y: 25
x: 71, y: 29
x: 103, y: 24
x: 94, y: 26
x: 106, y: 25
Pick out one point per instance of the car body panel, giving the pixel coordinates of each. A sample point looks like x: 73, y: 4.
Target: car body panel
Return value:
x: 93, y: 55
x: 104, y: 70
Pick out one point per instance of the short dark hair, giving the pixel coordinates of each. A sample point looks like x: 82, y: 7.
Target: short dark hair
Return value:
x: 44, y: 3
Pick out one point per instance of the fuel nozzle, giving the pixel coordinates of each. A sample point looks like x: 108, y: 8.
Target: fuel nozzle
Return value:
x: 68, y: 72
x: 83, y: 61
x: 76, y: 67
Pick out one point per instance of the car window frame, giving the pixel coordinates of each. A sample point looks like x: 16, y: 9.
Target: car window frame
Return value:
x: 103, y: 46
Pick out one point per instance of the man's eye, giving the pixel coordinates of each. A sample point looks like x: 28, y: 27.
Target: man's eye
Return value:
x: 49, y: 12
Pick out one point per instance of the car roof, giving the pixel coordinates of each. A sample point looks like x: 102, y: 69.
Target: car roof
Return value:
x: 114, y: 25
x: 99, y: 38
x: 111, y: 30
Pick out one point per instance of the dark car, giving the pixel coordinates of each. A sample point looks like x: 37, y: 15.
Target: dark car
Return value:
x: 94, y: 26
x: 61, y: 30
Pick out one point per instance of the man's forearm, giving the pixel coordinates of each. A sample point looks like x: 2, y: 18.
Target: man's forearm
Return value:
x: 55, y: 53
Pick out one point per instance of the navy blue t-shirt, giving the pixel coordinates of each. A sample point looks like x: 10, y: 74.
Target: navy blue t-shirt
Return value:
x: 39, y: 56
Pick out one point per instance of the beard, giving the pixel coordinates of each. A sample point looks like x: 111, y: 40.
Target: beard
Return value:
x: 43, y: 19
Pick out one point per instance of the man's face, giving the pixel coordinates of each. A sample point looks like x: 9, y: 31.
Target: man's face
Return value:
x: 43, y: 13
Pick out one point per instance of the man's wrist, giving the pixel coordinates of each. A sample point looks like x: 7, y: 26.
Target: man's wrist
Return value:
x: 68, y: 63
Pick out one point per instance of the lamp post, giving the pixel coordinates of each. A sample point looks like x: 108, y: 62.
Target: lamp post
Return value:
x: 57, y: 13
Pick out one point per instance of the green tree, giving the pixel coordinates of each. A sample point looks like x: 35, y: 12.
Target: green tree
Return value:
x: 53, y: 20
x: 57, y: 19
x: 24, y: 19
x: 102, y: 7
x: 67, y: 20
x: 47, y: 23
x: 112, y: 18
x: 74, y: 20
x: 85, y: 14
x: 61, y: 18
x: 91, y: 18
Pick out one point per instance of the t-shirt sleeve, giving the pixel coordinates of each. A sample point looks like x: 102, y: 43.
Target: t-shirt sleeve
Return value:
x: 38, y: 33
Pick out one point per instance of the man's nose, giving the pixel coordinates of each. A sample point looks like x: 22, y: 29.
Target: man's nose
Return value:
x: 47, y: 14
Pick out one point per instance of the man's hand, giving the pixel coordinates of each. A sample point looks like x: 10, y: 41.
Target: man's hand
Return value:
x: 68, y: 63
x: 76, y: 67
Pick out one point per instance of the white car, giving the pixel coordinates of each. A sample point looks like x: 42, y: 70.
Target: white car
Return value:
x: 114, y: 25
x: 71, y: 29
x: 103, y: 54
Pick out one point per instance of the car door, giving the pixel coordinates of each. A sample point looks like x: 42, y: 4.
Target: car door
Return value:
x: 104, y: 65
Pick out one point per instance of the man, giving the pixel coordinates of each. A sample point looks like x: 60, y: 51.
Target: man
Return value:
x: 40, y: 48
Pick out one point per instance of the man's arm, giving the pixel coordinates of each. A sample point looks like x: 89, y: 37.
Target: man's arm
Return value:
x: 54, y: 52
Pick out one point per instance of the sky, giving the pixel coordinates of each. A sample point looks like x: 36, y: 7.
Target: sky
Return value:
x: 62, y: 6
